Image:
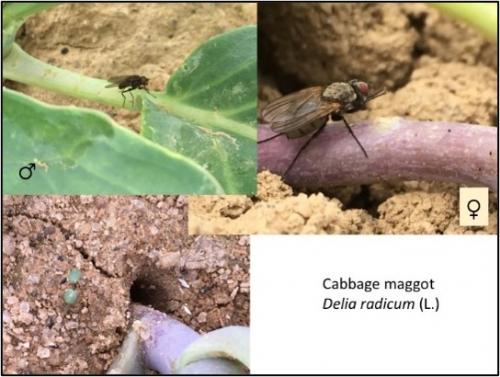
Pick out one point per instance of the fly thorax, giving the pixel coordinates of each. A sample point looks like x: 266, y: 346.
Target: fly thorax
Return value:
x: 340, y: 92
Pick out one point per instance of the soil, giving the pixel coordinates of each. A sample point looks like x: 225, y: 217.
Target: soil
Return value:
x: 434, y: 69
x: 112, y: 39
x: 128, y: 249
x: 418, y: 208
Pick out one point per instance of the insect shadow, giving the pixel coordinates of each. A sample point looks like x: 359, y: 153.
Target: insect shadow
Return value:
x: 307, y: 111
x: 129, y: 83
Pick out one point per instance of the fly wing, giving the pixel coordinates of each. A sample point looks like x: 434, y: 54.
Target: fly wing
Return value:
x: 116, y: 80
x: 288, y: 106
x: 291, y: 112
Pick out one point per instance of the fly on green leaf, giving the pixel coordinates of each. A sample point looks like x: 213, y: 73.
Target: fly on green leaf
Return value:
x: 129, y: 83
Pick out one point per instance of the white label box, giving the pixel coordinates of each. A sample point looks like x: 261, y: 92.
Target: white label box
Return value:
x: 434, y: 310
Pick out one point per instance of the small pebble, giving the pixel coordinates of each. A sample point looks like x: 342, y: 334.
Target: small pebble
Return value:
x: 6, y: 317
x: 202, y: 317
x: 43, y: 353
x: 184, y: 283
x: 22, y: 364
x: 12, y: 300
x: 234, y: 292
x: 186, y: 309
x: 24, y: 307
x: 33, y: 279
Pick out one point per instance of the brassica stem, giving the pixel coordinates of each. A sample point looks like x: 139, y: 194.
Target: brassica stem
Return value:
x: 398, y: 149
x: 21, y: 11
x: 481, y: 16
x: 21, y: 67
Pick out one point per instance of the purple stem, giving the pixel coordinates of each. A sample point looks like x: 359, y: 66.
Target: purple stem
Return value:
x: 168, y: 338
x: 398, y: 149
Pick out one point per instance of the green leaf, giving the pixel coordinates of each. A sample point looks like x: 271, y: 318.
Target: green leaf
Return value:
x: 209, y: 109
x: 13, y: 16
x: 205, y: 121
x: 79, y: 151
x: 229, y: 159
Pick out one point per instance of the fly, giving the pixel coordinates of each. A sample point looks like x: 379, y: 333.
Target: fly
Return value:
x: 129, y: 83
x: 307, y: 111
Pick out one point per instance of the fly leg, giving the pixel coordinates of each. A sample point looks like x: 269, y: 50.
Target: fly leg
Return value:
x: 354, y: 136
x: 131, y: 95
x: 303, y: 146
x: 269, y: 138
x: 147, y: 91
x: 123, y: 95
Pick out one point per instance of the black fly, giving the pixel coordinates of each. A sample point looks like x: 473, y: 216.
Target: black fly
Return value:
x: 129, y: 83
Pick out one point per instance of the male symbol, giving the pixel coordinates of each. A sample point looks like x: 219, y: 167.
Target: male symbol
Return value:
x: 26, y: 171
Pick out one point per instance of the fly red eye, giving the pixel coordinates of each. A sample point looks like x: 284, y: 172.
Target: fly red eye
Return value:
x: 363, y: 87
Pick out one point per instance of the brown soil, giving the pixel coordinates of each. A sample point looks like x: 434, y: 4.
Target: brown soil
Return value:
x: 313, y: 44
x: 111, y: 39
x: 128, y: 249
x: 275, y: 210
x: 434, y: 68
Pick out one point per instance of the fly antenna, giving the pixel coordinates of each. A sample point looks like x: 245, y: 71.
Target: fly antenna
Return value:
x: 376, y: 94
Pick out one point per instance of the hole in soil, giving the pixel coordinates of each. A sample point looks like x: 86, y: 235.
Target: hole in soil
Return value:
x: 155, y: 288
x: 364, y: 200
x: 268, y: 67
x: 418, y: 21
x: 419, y: 49
x: 494, y: 120
x: 119, y: 330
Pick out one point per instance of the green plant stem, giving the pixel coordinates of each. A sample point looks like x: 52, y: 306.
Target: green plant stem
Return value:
x: 21, y: 11
x: 481, y: 16
x: 21, y: 67
x: 13, y: 16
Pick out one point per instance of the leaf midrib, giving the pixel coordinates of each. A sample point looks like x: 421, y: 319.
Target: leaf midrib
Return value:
x: 209, y: 119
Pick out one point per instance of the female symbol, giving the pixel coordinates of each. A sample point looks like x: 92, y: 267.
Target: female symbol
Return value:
x: 473, y: 211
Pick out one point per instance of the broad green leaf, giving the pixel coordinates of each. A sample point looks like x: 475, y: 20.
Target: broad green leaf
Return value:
x: 228, y: 158
x: 208, y: 111
x: 79, y: 151
x: 205, y: 120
